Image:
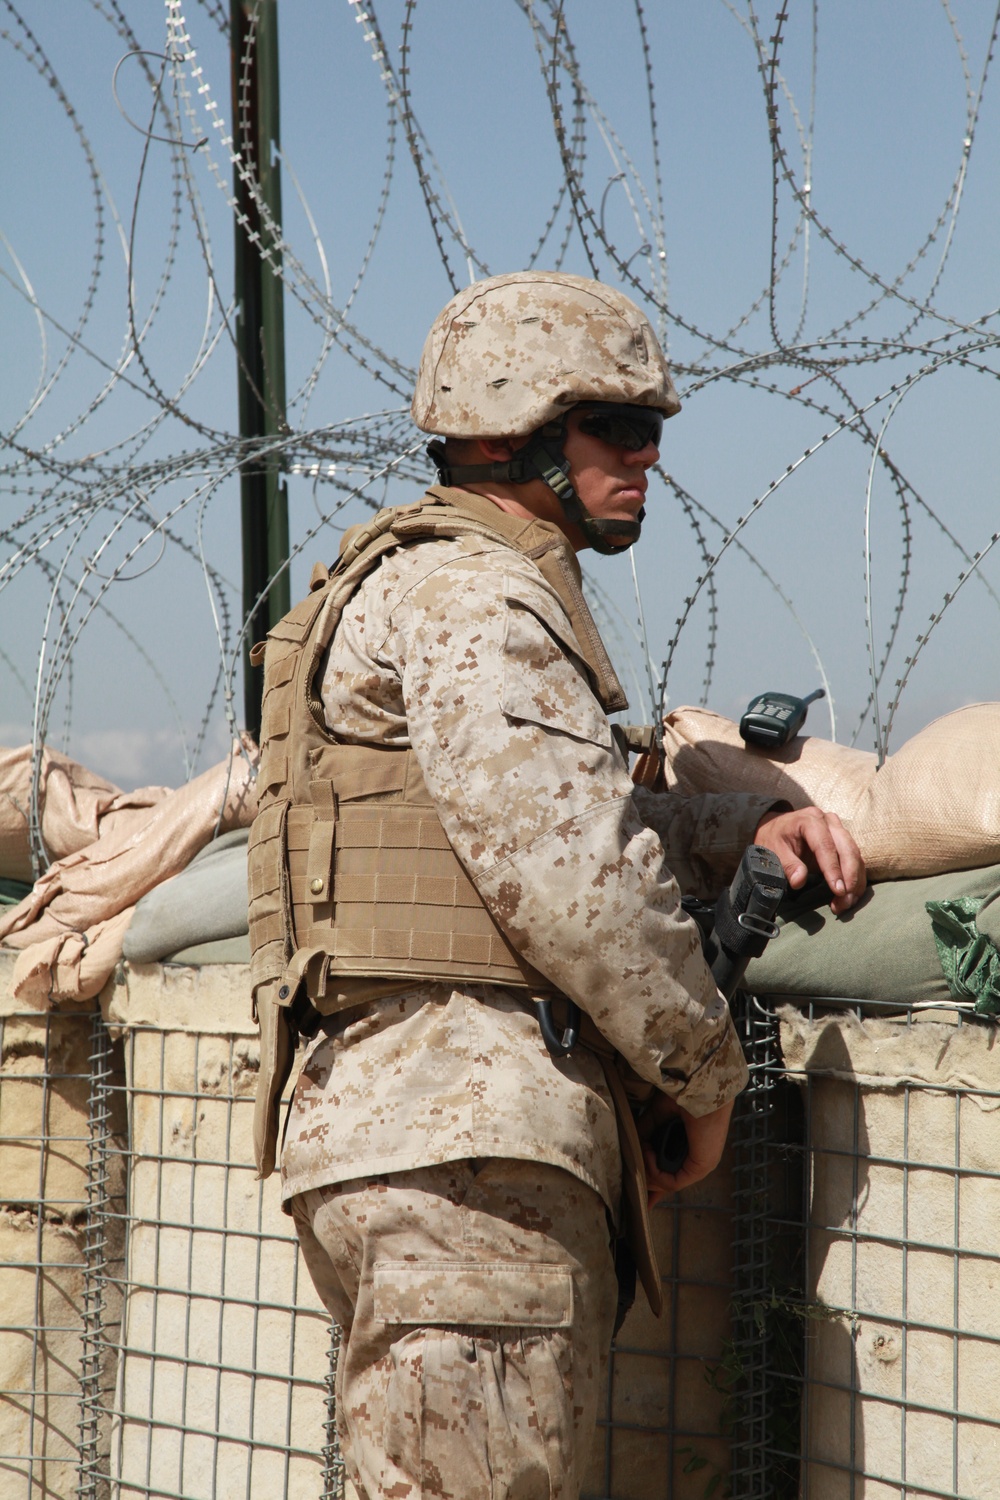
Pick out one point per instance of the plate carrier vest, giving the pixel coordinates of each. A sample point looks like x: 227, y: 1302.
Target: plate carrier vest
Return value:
x: 355, y: 891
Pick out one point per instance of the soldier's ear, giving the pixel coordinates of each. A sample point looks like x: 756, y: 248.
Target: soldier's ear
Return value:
x: 499, y: 450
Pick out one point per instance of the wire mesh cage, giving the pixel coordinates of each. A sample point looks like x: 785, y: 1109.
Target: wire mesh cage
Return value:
x: 661, y: 1429
x: 847, y: 1289
x: 160, y: 1336
x: 831, y: 1328
x: 224, y: 1368
x: 57, y: 1315
x: 691, y: 1407
x: 900, y: 1250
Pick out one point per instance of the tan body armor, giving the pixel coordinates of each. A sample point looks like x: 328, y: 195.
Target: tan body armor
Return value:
x: 355, y: 891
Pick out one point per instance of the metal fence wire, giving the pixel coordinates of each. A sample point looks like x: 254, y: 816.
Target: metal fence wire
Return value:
x: 831, y: 1332
x: 104, y: 1230
x: 752, y: 1415
x: 160, y: 1337
x: 901, y: 1254
x: 661, y: 1430
x: 226, y: 1359
x: 55, y: 1318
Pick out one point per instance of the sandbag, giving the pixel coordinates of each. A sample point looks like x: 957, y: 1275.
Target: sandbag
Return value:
x: 883, y: 949
x: 205, y: 903
x: 234, y: 950
x: 72, y: 924
x: 69, y: 965
x: 75, y: 806
x: 13, y: 892
x: 933, y: 806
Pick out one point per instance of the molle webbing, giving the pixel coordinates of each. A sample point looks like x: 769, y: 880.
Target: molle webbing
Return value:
x: 291, y: 736
x: 377, y: 889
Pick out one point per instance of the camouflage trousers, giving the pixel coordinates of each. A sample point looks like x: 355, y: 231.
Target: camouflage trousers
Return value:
x: 476, y: 1300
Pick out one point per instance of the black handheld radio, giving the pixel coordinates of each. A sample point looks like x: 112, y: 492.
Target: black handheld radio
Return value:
x: 772, y: 719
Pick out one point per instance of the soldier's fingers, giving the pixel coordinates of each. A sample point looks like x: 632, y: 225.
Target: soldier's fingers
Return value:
x: 818, y: 833
x: 782, y: 834
x: 687, y: 1176
x: 706, y: 1139
x: 660, y: 1185
x: 852, y: 862
x: 796, y: 870
x: 852, y: 868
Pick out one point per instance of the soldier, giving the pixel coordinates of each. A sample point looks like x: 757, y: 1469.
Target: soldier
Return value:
x: 448, y: 836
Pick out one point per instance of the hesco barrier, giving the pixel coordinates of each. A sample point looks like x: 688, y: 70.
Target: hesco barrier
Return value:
x: 167, y: 1342
x: 901, y: 1250
x: 59, y: 1308
x: 831, y: 1327
x: 225, y: 1351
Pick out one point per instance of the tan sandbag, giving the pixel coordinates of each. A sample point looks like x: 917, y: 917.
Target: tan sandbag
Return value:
x: 69, y: 965
x: 933, y: 806
x: 703, y: 752
x: 72, y: 923
x: 74, y: 806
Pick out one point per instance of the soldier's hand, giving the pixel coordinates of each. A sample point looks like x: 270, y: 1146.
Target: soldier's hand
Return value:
x: 809, y: 839
x: 706, y: 1136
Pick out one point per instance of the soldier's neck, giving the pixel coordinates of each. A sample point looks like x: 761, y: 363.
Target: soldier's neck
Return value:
x: 532, y: 501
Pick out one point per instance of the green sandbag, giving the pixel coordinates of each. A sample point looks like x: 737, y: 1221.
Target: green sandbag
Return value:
x: 234, y: 950
x: 13, y: 892
x: 884, y: 949
x: 205, y: 903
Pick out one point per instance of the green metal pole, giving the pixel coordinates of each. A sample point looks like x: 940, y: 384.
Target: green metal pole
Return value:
x: 260, y: 326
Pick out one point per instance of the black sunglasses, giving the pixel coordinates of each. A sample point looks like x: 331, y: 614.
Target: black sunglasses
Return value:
x: 631, y: 427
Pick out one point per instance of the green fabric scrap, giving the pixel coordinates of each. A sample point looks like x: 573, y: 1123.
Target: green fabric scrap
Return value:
x: 969, y: 957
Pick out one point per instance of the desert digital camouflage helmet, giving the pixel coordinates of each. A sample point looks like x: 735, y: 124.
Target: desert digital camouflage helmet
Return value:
x: 512, y: 355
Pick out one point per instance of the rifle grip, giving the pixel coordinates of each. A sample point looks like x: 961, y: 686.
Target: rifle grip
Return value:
x: 670, y: 1144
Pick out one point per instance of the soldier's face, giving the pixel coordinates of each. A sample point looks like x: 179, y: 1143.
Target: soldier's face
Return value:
x: 610, y: 480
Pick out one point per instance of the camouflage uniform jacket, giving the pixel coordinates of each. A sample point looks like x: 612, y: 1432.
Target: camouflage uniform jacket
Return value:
x: 460, y: 649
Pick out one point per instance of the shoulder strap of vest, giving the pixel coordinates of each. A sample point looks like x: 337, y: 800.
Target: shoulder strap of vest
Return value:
x: 446, y: 511
x: 362, y: 550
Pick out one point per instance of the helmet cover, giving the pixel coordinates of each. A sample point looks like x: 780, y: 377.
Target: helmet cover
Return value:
x: 508, y: 354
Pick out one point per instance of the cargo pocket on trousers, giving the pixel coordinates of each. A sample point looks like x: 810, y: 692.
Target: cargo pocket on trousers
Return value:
x: 450, y: 1293
x: 479, y: 1397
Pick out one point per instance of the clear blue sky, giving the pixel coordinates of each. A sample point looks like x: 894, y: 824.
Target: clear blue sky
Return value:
x: 889, y: 117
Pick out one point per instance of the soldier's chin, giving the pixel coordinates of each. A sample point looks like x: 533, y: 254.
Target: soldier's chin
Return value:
x: 616, y: 533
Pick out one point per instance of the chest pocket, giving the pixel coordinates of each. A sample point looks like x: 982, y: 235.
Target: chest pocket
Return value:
x: 544, y: 678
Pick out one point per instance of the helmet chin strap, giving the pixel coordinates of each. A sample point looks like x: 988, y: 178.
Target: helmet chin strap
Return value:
x: 536, y: 460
